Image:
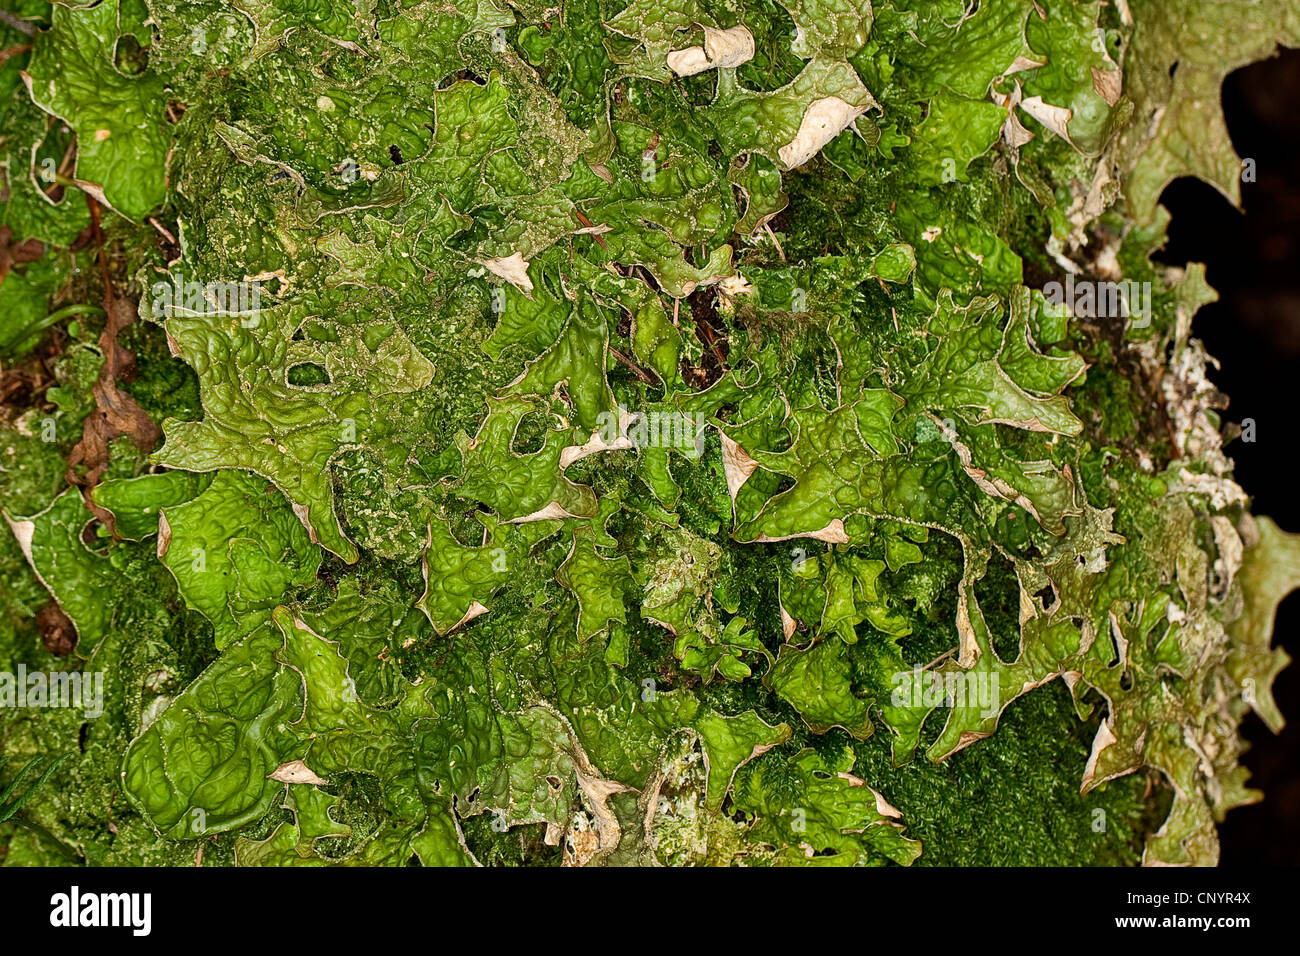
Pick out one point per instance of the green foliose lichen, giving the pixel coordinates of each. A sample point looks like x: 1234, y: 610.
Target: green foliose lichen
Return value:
x: 668, y: 432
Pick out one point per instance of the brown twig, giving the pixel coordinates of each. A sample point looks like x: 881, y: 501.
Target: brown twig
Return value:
x: 7, y: 52
x: 587, y: 224
x: 64, y: 170
x: 775, y: 241
x: 163, y: 230
x: 98, y: 233
x: 704, y: 329
x: 637, y: 370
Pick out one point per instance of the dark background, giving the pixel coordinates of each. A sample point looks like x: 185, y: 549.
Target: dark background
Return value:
x: 1253, y: 261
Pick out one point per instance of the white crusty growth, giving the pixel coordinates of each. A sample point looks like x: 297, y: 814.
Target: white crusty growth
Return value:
x: 513, y: 268
x: 824, y: 119
x: 722, y: 48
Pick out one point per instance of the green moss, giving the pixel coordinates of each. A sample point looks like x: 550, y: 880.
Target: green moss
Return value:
x: 1013, y: 799
x: 484, y: 234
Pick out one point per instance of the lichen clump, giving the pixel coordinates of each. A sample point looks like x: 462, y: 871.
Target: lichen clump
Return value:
x: 671, y: 431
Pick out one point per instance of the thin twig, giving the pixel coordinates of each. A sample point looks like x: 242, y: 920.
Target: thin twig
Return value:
x: 22, y: 26
x: 775, y: 241
x: 7, y: 52
x: 99, y: 246
x: 163, y: 229
x: 637, y: 370
x: 945, y: 655
x: 588, y: 224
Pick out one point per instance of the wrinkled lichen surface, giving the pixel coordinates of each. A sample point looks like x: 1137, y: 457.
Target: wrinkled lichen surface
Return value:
x: 683, y: 432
